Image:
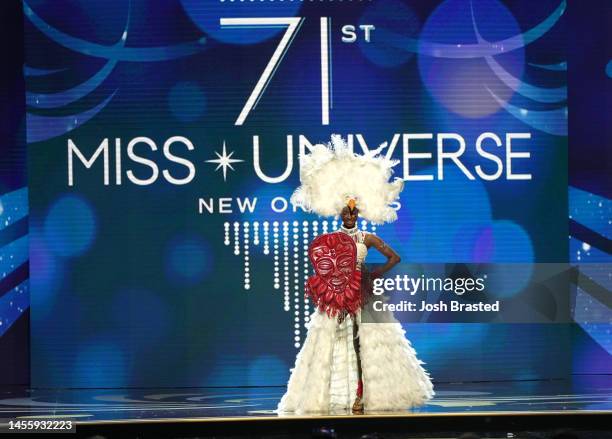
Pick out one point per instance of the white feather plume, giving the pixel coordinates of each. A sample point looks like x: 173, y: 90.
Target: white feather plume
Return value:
x: 330, y: 173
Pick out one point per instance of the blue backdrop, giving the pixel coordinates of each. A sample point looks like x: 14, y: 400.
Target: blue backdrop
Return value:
x: 135, y: 282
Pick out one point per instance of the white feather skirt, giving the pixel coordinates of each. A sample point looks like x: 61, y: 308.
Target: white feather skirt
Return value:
x: 324, y: 379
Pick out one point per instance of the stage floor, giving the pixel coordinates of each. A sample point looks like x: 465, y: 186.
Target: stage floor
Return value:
x: 581, y: 395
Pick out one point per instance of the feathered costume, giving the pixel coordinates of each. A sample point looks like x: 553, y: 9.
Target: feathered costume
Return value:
x: 325, y: 376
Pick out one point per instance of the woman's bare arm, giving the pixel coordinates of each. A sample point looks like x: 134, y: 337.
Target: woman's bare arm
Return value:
x: 392, y: 257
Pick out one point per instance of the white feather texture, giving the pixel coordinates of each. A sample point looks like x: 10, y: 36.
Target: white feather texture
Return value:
x: 324, y: 379
x: 331, y: 173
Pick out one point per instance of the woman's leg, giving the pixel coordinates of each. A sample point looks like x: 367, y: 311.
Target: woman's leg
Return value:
x: 358, y: 404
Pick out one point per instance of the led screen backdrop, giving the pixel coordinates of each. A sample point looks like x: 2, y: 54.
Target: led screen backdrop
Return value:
x: 164, y: 142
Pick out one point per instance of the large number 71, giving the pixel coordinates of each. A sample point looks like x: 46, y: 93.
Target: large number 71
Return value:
x: 293, y: 25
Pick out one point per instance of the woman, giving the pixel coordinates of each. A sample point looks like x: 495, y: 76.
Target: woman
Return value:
x: 344, y: 363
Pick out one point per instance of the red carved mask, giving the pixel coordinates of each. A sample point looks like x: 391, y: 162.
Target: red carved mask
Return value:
x: 335, y: 287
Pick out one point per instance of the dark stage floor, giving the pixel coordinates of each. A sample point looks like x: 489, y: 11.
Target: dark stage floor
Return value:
x: 582, y: 395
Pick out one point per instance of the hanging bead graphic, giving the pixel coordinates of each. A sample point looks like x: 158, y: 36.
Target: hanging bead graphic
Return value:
x: 247, y: 276
x: 286, y: 264
x: 256, y: 233
x: 296, y: 281
x: 306, y: 242
x: 236, y: 238
x: 275, y: 252
x: 266, y: 248
x: 226, y: 228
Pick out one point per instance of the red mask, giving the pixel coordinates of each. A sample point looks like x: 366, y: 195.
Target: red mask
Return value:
x: 335, y: 287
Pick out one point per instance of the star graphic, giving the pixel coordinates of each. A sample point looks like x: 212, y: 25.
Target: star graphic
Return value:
x: 224, y: 161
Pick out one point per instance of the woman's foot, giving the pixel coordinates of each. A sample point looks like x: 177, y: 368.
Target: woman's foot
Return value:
x: 358, y: 404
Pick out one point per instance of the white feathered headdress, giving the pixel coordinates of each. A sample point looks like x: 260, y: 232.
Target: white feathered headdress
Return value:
x: 332, y: 174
